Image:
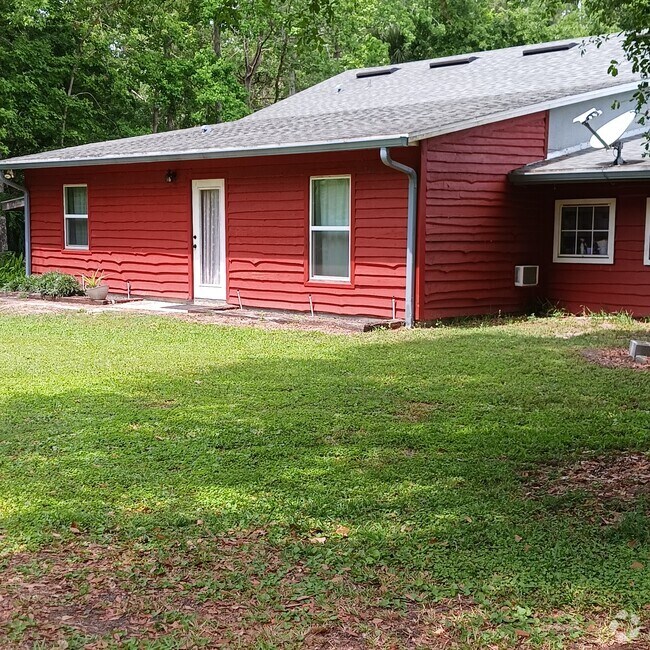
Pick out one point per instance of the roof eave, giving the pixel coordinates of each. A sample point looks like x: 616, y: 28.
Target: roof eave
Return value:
x: 400, y: 140
x: 520, y: 112
x: 608, y: 176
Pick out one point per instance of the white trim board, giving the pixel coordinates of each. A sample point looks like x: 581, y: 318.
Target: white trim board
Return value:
x: 210, y: 292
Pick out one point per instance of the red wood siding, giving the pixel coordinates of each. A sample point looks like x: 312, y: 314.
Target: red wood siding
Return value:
x: 622, y: 286
x: 474, y: 225
x: 140, y: 229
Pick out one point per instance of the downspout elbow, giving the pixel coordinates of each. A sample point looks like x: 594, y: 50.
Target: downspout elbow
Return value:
x: 411, y: 232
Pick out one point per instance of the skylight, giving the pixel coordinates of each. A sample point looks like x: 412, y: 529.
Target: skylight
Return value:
x: 545, y: 49
x: 376, y: 73
x: 451, y: 62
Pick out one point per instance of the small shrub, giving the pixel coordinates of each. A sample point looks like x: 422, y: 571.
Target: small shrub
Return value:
x: 53, y: 284
x: 12, y: 267
x: 57, y: 284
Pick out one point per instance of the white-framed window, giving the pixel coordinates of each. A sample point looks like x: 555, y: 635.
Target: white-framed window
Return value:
x: 646, y: 245
x: 329, y: 228
x: 584, y: 231
x: 75, y: 216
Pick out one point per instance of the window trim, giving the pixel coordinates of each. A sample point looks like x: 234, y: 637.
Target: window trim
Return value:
x: 67, y: 216
x: 312, y: 228
x: 646, y: 244
x: 584, y: 259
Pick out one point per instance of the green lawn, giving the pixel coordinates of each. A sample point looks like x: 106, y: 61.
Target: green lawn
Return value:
x: 286, y: 489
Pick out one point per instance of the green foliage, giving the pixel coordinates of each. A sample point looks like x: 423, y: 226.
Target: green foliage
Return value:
x: 87, y: 70
x: 12, y: 267
x: 632, y: 17
x: 53, y: 284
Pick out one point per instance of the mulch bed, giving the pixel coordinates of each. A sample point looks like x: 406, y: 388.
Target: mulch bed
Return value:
x: 613, y: 358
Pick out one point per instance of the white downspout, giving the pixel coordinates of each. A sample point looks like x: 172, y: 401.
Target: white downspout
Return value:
x: 411, y: 233
x: 28, y: 221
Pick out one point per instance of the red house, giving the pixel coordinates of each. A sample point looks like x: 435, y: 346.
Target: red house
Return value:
x: 407, y: 186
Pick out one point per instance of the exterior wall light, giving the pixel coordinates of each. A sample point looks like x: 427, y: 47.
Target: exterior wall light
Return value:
x: 170, y: 176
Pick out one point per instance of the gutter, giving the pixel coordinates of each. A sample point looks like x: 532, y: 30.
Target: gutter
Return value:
x: 579, y: 177
x: 28, y: 222
x: 411, y: 231
x: 29, y: 162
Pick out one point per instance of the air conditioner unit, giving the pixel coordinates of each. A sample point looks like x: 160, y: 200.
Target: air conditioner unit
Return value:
x: 526, y: 276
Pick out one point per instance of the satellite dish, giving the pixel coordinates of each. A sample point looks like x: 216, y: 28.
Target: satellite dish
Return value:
x: 609, y: 135
x: 612, y: 132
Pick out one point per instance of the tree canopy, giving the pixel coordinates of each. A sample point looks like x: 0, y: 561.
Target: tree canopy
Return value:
x: 76, y: 71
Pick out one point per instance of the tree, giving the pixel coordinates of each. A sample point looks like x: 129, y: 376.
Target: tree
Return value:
x: 633, y: 19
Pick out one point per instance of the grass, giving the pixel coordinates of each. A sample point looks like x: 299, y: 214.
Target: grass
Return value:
x: 368, y: 489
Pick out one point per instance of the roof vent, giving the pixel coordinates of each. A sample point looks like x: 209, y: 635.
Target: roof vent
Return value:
x: 376, y: 73
x: 450, y: 62
x: 546, y: 49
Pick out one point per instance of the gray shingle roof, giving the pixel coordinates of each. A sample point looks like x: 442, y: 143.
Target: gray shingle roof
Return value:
x: 346, y: 112
x: 589, y: 165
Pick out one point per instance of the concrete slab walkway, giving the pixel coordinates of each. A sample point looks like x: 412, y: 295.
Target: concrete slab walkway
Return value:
x: 209, y: 313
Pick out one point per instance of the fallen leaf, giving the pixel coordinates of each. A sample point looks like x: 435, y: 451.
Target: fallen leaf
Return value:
x: 522, y: 633
x: 632, y: 543
x: 518, y: 538
x: 74, y: 528
x: 199, y: 522
x: 318, y: 540
x: 636, y: 565
x: 469, y: 520
x: 343, y: 531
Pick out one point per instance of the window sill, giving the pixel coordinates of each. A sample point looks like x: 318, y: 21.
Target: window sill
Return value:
x: 587, y: 259
x: 76, y: 249
x: 338, y: 284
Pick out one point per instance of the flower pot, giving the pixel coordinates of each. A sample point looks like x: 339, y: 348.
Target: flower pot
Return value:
x: 97, y: 293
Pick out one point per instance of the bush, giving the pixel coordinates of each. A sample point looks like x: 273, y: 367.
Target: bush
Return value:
x: 57, y: 284
x: 52, y: 284
x: 12, y: 267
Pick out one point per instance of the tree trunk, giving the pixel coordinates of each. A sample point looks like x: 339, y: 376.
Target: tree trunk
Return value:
x: 278, y: 74
x: 65, y: 108
x: 4, y: 243
x: 216, y: 39
x: 155, y: 118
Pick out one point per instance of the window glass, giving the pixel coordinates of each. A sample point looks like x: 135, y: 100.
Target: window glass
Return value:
x: 331, y: 197
x: 569, y: 216
x: 75, y: 208
x: 330, y: 252
x: 76, y: 232
x: 76, y: 200
x: 330, y: 228
x: 584, y: 231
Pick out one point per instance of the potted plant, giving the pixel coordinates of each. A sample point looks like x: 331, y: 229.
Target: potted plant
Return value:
x: 95, y: 290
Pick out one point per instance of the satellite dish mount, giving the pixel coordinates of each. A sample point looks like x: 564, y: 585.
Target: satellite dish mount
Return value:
x: 609, y: 135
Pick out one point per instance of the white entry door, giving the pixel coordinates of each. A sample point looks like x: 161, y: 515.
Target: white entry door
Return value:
x: 209, y: 239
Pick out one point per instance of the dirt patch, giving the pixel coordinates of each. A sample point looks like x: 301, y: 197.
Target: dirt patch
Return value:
x: 228, y: 591
x: 417, y: 411
x: 613, y: 358
x: 205, y: 592
x: 622, y: 477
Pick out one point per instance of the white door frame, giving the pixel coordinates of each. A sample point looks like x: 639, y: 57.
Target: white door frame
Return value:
x: 200, y: 290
